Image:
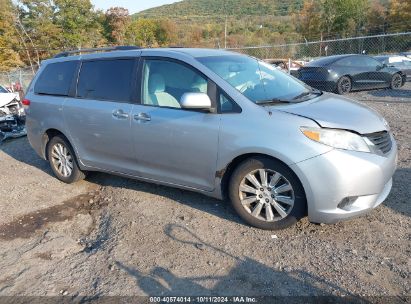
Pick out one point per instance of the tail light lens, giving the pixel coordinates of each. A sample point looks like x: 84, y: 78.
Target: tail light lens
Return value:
x: 25, y: 102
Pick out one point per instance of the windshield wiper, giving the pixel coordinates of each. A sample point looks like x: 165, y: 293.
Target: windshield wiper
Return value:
x: 272, y: 101
x: 303, y: 94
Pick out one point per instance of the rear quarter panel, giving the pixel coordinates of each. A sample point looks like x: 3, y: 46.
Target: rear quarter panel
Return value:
x: 44, y: 113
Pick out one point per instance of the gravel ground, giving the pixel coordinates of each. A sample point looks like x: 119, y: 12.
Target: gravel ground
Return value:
x: 114, y: 236
x: 400, y: 95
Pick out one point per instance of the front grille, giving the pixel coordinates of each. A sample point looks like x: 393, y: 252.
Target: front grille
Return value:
x: 381, y: 140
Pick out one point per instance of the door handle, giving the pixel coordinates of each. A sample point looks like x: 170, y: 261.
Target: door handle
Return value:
x: 120, y: 114
x: 142, y: 117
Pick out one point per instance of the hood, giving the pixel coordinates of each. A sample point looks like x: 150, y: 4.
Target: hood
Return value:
x: 337, y: 112
x: 6, y: 98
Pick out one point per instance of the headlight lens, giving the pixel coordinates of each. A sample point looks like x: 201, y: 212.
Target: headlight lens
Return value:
x: 339, y: 139
x: 386, y: 124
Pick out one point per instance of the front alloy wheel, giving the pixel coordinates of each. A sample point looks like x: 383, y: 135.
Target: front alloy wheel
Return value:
x: 267, y: 194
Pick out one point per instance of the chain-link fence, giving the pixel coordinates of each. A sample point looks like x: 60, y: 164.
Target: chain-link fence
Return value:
x: 387, y: 66
x: 17, y: 78
x: 373, y: 45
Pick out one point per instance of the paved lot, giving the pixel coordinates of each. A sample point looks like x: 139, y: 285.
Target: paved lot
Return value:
x: 114, y: 236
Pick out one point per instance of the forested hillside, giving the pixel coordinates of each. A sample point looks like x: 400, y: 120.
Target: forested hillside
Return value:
x: 255, y: 22
x: 237, y: 8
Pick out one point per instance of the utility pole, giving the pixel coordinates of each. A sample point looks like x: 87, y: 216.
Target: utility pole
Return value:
x: 225, y: 32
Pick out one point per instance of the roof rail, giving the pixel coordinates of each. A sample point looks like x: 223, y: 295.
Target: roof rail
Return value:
x: 105, y: 49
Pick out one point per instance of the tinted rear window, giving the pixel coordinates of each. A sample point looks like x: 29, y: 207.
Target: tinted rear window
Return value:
x: 56, y: 79
x: 106, y: 80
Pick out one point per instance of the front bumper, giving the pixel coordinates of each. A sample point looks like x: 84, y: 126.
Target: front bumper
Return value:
x: 330, y: 179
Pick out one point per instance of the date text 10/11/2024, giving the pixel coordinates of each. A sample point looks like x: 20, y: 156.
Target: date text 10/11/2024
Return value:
x: 198, y: 299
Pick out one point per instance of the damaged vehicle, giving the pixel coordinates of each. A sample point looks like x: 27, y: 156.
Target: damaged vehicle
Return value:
x: 219, y: 123
x: 12, y: 116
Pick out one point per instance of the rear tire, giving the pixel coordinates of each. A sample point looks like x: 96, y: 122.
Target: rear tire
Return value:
x: 396, y: 81
x: 344, y: 85
x: 63, y: 161
x: 269, y: 205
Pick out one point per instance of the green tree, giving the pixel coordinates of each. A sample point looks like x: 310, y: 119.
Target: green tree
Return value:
x: 309, y: 20
x: 399, y: 15
x: 166, y: 32
x: 344, y: 17
x: 142, y: 32
x: 117, y: 21
x: 9, y: 41
x: 377, y: 19
x: 38, y: 20
x: 80, y: 23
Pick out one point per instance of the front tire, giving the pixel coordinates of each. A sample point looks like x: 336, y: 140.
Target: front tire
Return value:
x: 267, y: 194
x: 63, y: 161
x: 344, y: 85
x: 396, y: 81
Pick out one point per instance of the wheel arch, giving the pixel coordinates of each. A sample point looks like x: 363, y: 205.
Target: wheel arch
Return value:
x: 403, y: 76
x: 49, y: 134
x: 226, y: 174
x: 348, y: 76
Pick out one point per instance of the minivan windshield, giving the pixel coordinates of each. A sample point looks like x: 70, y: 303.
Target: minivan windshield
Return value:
x: 260, y: 82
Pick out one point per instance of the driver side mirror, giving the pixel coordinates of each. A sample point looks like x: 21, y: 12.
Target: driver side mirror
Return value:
x: 198, y: 101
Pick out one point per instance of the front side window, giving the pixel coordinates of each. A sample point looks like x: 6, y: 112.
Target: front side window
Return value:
x: 370, y: 62
x: 165, y: 82
x: 56, y: 79
x: 406, y: 62
x: 227, y: 105
x: 258, y: 81
x: 110, y: 80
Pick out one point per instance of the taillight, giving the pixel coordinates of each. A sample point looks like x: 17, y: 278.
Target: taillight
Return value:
x: 25, y: 102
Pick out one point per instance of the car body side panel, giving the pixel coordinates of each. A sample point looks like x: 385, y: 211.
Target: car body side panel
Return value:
x: 44, y: 113
x: 258, y: 136
x: 101, y: 140
x: 176, y: 146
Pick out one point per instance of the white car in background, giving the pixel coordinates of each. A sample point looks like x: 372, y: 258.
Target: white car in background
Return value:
x: 4, y: 90
x: 402, y: 63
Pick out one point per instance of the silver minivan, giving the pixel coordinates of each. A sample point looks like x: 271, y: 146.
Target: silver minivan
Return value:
x: 216, y: 122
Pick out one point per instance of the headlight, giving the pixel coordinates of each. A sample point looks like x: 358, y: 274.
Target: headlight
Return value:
x: 339, y: 139
x: 386, y: 124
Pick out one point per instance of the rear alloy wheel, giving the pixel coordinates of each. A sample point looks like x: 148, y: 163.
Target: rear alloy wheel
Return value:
x: 396, y: 81
x: 267, y: 194
x: 344, y: 85
x: 63, y: 160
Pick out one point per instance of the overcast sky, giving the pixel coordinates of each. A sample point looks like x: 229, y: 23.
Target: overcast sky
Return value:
x: 133, y: 6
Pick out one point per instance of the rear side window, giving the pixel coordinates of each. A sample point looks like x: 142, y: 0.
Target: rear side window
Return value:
x: 110, y: 80
x: 56, y: 79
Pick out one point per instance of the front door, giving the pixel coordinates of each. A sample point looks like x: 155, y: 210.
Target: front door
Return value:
x: 377, y: 76
x: 172, y: 144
